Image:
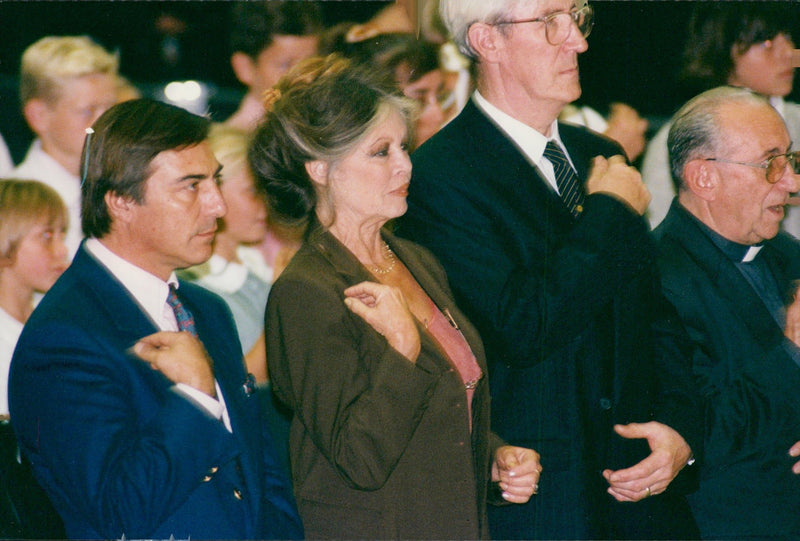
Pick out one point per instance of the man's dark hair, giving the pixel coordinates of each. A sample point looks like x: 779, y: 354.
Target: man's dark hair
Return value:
x: 255, y: 23
x: 117, y: 156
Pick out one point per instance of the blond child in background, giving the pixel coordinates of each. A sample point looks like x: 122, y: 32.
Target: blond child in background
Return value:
x: 66, y: 83
x: 33, y: 222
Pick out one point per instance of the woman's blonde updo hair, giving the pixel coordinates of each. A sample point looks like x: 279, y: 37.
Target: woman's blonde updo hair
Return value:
x: 319, y: 111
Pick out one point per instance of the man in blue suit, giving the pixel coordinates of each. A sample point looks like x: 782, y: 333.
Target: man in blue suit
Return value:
x: 539, y: 227
x: 134, y: 429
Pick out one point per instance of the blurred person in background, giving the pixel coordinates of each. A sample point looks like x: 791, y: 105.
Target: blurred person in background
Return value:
x: 412, y: 64
x: 244, y: 225
x: 236, y: 271
x: 33, y: 222
x: 268, y: 38
x: 623, y: 124
x: 126, y: 90
x: 745, y: 44
x: 66, y: 83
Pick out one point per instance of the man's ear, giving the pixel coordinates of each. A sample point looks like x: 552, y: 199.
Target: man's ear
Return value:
x: 37, y: 114
x: 244, y: 68
x: 701, y: 178
x: 119, y: 206
x: 486, y: 40
x: 318, y: 171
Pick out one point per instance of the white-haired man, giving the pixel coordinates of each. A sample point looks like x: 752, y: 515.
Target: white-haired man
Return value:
x: 539, y: 226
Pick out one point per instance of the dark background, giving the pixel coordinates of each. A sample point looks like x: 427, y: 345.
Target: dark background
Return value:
x: 634, y: 50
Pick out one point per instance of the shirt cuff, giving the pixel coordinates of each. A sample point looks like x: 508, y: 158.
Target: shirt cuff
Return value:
x: 216, y: 408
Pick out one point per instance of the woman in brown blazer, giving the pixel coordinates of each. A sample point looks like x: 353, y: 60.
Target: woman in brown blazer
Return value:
x: 390, y: 437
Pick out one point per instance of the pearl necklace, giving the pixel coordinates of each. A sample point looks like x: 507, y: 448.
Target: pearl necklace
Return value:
x: 389, y: 255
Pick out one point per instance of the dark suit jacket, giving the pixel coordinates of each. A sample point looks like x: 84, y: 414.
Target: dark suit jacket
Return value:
x: 748, y: 376
x: 117, y: 449
x: 577, y: 335
x: 380, y: 447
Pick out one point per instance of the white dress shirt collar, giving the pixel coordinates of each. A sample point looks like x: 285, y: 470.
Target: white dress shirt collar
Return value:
x: 529, y: 141
x: 151, y: 294
x: 148, y: 290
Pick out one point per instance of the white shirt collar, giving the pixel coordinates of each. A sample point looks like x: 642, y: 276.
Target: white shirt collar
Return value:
x: 530, y: 141
x: 751, y: 253
x: 148, y: 290
x: 151, y: 294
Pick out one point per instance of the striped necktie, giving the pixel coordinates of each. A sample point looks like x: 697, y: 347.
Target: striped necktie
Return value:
x: 567, y: 181
x: 182, y: 314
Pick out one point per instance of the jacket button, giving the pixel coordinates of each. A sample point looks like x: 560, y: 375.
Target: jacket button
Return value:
x: 237, y: 493
x: 213, y: 470
x: 605, y: 404
x: 207, y: 478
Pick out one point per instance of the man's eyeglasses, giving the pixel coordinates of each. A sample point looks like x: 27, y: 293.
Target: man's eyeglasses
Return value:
x: 558, y: 25
x: 774, y: 165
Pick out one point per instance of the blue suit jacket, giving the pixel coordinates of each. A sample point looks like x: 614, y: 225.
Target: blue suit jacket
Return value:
x: 117, y: 449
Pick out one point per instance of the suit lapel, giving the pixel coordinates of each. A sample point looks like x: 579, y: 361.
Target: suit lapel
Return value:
x: 120, y: 306
x: 353, y: 272
x: 438, y: 295
x: 511, y: 167
x: 572, y: 140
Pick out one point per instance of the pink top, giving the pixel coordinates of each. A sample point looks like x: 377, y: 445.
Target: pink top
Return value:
x: 446, y: 333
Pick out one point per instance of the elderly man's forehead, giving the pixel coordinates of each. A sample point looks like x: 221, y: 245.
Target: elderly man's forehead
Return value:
x: 751, y: 124
x: 732, y: 112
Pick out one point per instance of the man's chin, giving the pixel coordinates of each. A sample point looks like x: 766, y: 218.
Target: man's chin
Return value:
x: 199, y: 256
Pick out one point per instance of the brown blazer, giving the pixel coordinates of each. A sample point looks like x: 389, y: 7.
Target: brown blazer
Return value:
x: 380, y: 447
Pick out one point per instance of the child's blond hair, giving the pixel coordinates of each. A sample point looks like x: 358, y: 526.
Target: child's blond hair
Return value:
x: 52, y: 61
x: 25, y: 204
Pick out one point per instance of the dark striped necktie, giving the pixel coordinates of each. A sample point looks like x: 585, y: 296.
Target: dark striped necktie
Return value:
x: 567, y: 181
x: 182, y: 314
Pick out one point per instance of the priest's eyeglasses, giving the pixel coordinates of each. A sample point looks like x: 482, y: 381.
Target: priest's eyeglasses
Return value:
x: 774, y: 165
x: 558, y: 25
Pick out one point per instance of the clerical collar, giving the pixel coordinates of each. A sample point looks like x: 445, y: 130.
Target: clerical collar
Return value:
x: 738, y: 253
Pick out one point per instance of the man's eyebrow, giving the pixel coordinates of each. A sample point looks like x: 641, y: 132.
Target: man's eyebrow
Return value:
x: 200, y: 176
x: 775, y: 151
